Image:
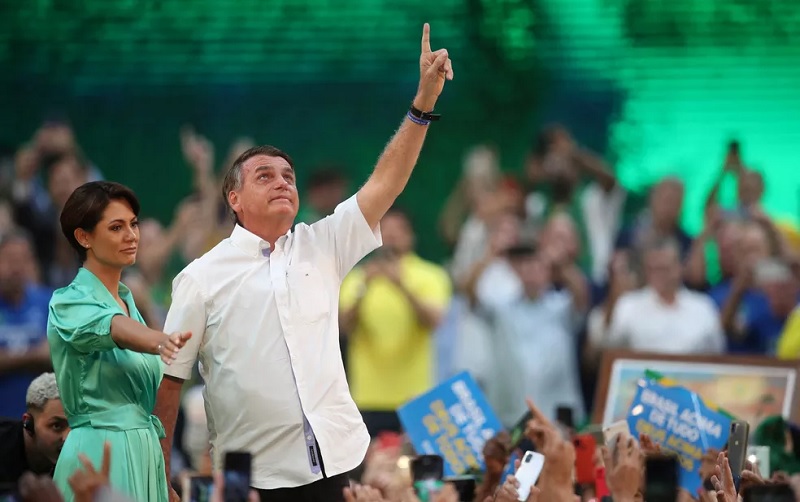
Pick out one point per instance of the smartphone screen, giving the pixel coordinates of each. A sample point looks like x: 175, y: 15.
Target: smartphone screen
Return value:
x: 518, y: 431
x: 465, y: 486
x: 427, y: 472
x: 768, y: 493
x: 197, y: 489
x: 237, y: 476
x: 737, y: 449
x: 661, y: 478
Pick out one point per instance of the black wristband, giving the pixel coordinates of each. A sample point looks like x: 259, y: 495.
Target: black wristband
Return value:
x: 432, y: 117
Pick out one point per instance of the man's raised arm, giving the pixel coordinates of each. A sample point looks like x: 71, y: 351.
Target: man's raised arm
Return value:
x: 398, y: 159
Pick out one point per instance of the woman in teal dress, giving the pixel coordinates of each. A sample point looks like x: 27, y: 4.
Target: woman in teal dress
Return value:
x: 107, y: 361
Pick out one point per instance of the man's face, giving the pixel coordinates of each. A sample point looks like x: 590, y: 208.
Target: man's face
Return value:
x: 534, y: 272
x: 51, y: 429
x: 55, y: 138
x: 397, y: 233
x: 781, y: 295
x: 751, y: 188
x: 324, y: 199
x: 666, y: 201
x: 268, y: 192
x: 663, y: 270
x: 754, y: 244
x: 17, y: 267
x: 65, y: 176
x: 729, y: 242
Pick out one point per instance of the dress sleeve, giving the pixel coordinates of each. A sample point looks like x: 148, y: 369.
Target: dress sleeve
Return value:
x: 81, y: 320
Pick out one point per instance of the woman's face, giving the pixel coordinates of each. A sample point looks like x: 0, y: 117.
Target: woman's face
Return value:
x: 115, y: 240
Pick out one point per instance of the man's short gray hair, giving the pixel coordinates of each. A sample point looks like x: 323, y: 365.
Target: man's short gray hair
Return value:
x: 42, y: 389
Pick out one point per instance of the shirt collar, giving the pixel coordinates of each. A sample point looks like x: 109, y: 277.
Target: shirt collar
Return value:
x: 86, y: 277
x: 249, y: 242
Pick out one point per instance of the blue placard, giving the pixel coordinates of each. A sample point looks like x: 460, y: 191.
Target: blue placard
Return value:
x: 453, y: 420
x: 678, y: 420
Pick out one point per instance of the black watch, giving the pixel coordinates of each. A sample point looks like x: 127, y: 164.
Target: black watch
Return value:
x: 424, y: 115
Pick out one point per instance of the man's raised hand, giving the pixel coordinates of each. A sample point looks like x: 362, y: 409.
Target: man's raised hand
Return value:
x: 434, y: 68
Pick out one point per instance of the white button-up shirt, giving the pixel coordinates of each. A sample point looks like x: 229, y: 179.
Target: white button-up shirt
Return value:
x: 643, y: 322
x: 265, y: 328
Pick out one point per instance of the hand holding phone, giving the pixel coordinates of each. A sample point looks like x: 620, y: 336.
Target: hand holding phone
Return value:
x: 528, y: 473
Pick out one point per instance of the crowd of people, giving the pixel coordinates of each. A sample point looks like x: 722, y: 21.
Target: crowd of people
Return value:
x: 551, y: 267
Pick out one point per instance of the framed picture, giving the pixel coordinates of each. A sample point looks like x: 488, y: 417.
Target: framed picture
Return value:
x: 750, y: 388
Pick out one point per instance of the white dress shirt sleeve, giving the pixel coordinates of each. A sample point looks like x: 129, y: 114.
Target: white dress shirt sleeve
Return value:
x: 346, y: 234
x: 187, y: 313
x: 619, y: 328
x: 715, y: 342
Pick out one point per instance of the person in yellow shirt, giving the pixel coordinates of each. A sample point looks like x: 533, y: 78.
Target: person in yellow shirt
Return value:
x: 389, y: 309
x: 789, y: 342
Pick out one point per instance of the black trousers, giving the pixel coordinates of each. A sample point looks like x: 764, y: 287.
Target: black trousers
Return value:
x: 327, y: 489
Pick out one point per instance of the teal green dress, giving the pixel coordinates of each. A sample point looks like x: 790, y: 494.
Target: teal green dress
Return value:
x: 108, y: 392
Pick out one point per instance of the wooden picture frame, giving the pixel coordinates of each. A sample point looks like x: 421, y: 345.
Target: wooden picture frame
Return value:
x: 749, y: 387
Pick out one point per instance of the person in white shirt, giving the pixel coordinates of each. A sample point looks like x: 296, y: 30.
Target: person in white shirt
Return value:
x: 664, y: 316
x: 262, y: 306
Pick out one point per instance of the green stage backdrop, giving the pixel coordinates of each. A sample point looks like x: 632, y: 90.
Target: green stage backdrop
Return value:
x: 658, y: 86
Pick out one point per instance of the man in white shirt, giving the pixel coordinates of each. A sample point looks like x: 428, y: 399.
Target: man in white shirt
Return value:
x: 664, y: 316
x: 262, y: 306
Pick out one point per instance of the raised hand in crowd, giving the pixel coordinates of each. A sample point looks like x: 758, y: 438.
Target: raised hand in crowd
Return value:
x: 624, y: 468
x: 197, y: 150
x: 363, y: 493
x: 555, y: 481
x: 86, y: 483
x: 708, y: 463
x: 647, y: 445
x: 508, y: 492
x: 723, y: 480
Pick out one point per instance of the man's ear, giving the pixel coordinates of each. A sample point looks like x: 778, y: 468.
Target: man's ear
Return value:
x: 27, y: 423
x: 233, y: 201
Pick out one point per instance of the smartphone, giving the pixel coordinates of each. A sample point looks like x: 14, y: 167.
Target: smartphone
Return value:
x: 465, y: 486
x: 528, y: 473
x: 427, y: 472
x: 585, y: 448
x: 768, y: 493
x: 564, y: 416
x: 737, y: 449
x: 197, y: 488
x: 518, y: 431
x: 661, y: 478
x: 759, y: 457
x: 237, y: 476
